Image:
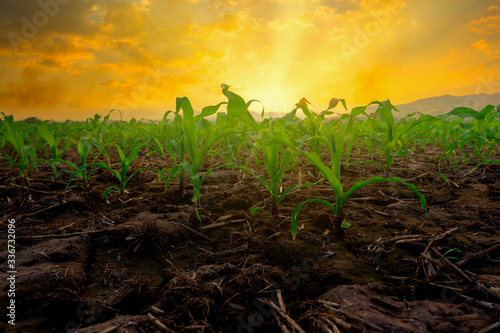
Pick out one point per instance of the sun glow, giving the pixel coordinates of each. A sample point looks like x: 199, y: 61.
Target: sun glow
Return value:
x: 90, y: 56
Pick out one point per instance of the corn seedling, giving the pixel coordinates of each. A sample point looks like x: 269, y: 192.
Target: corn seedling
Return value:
x: 276, y: 159
x: 198, y: 138
x: 84, y: 147
x: 25, y: 153
x: 120, y: 174
x: 332, y: 174
x: 53, y: 142
x: 479, y: 133
x: 162, y: 145
x: 394, y: 146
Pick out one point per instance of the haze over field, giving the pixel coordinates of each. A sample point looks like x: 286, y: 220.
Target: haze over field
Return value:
x: 64, y: 59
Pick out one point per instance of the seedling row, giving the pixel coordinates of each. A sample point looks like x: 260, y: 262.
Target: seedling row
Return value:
x: 323, y: 140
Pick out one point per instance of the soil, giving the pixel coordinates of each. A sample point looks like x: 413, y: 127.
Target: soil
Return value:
x: 143, y: 262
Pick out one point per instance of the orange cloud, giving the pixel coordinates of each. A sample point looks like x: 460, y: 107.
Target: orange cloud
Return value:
x: 481, y: 45
x: 34, y: 90
x: 144, y: 53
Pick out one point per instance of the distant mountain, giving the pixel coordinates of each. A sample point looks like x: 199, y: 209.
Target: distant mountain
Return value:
x: 443, y: 104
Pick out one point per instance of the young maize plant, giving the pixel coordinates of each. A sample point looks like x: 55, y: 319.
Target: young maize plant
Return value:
x: 162, y: 145
x: 122, y: 174
x: 53, y: 142
x: 392, y: 141
x: 25, y: 153
x: 233, y: 145
x: 84, y: 148
x: 445, y: 135
x: 198, y: 137
x: 276, y: 159
x: 312, y: 126
x: 479, y: 133
x: 335, y: 143
x: 369, y: 137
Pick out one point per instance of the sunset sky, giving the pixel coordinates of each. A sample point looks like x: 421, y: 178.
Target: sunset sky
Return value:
x: 70, y: 59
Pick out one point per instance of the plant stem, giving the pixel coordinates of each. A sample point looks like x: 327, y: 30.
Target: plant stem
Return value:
x: 338, y: 223
x: 315, y: 171
x: 274, y: 207
x: 181, y: 184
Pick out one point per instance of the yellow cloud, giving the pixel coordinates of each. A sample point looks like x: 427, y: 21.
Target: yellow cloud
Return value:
x: 481, y: 45
x: 34, y: 89
x: 143, y: 53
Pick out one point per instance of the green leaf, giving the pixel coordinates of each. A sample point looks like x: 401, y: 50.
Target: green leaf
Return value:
x: 208, y: 111
x: 255, y: 100
x: 256, y: 209
x: 487, y: 109
x: 294, y: 187
x: 361, y: 184
x: 345, y: 224
x: 106, y: 192
x: 462, y: 112
x: 237, y: 108
x: 189, y: 127
x: 297, y: 209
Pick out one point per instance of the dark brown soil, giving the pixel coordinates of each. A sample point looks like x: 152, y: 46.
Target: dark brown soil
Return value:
x: 142, y: 262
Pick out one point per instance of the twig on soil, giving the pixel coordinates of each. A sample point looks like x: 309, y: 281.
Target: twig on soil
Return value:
x: 467, y: 277
x: 343, y: 324
x: 61, y: 235
x: 444, y: 234
x: 478, y: 303
x: 111, y: 329
x: 221, y: 224
x: 454, y: 267
x: 323, y: 325
x: 262, y: 202
x: 280, y: 300
x: 430, y: 259
x: 238, y: 249
x: 399, y: 278
x: 332, y: 325
x: 444, y: 287
x: 283, y: 314
x: 156, y: 310
x: 67, y: 226
x: 283, y: 327
x: 355, y: 318
x: 467, y: 317
x: 431, y: 272
x: 491, y: 328
x: 411, y: 180
x: 31, y: 189
x: 199, y: 234
x: 382, y: 213
x: 479, y: 255
x: 44, y: 209
x: 159, y: 324
x: 330, y: 304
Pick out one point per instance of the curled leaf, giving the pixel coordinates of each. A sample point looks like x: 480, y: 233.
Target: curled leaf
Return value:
x: 333, y: 103
x: 303, y: 100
